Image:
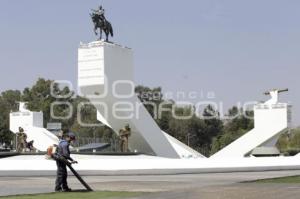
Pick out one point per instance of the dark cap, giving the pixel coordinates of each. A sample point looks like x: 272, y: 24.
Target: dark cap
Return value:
x: 71, y: 135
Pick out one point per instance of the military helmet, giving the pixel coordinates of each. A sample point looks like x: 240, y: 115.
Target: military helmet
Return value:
x: 127, y: 127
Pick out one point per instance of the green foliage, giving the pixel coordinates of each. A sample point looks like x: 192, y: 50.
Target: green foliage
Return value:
x: 40, y: 98
x: 7, y: 104
x: 192, y: 130
x: 237, y: 126
x: 289, y: 143
x: 289, y: 179
x: 206, y: 133
x: 295, y: 139
x: 151, y: 98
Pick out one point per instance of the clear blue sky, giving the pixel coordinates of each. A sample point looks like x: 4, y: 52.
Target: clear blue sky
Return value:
x: 237, y: 49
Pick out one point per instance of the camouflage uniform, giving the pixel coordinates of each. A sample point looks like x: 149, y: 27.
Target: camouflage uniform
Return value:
x: 21, y: 137
x: 124, y: 134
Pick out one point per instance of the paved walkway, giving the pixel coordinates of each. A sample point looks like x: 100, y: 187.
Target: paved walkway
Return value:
x: 203, y: 186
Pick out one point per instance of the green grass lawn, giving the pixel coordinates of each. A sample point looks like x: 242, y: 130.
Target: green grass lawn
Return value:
x: 289, y: 179
x: 76, y: 195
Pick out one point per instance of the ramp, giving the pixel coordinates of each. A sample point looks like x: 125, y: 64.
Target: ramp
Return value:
x: 32, y: 123
x: 271, y: 119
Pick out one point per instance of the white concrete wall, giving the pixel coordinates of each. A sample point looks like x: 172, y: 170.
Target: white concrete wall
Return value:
x: 151, y: 164
x: 32, y: 123
x: 25, y: 119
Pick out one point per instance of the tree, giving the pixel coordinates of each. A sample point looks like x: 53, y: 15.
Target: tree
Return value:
x: 237, y: 126
x: 206, y: 135
x: 7, y: 104
x: 289, y: 144
x: 213, y: 127
x: 151, y: 98
x: 193, y: 131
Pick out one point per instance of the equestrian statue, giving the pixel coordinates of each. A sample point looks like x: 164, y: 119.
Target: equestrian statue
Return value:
x: 100, y: 22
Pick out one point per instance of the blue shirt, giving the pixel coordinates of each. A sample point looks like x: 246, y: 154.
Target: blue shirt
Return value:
x: 64, y: 149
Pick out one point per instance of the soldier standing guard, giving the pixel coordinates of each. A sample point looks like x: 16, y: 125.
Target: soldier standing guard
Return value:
x: 21, y: 139
x: 124, y: 134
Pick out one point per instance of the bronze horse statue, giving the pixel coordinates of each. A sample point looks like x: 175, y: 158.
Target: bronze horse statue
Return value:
x: 103, y: 25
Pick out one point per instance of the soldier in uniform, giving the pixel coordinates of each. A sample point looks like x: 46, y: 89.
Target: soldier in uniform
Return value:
x: 124, y: 134
x: 21, y: 139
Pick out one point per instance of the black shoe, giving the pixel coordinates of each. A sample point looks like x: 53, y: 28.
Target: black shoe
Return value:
x: 67, y: 190
x: 58, y: 190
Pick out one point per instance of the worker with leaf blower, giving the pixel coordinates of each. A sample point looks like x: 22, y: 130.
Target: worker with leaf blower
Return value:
x: 63, y: 158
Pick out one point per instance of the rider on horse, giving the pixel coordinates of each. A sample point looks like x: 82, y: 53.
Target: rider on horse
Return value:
x: 100, y: 22
x: 100, y: 11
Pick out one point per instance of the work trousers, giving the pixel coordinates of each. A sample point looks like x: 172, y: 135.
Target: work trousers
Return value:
x: 61, y: 176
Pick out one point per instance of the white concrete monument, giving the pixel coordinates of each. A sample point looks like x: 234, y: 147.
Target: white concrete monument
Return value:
x: 105, y: 76
x: 271, y: 119
x: 32, y: 123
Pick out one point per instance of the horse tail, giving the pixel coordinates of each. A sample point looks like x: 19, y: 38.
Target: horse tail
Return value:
x: 111, y: 31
